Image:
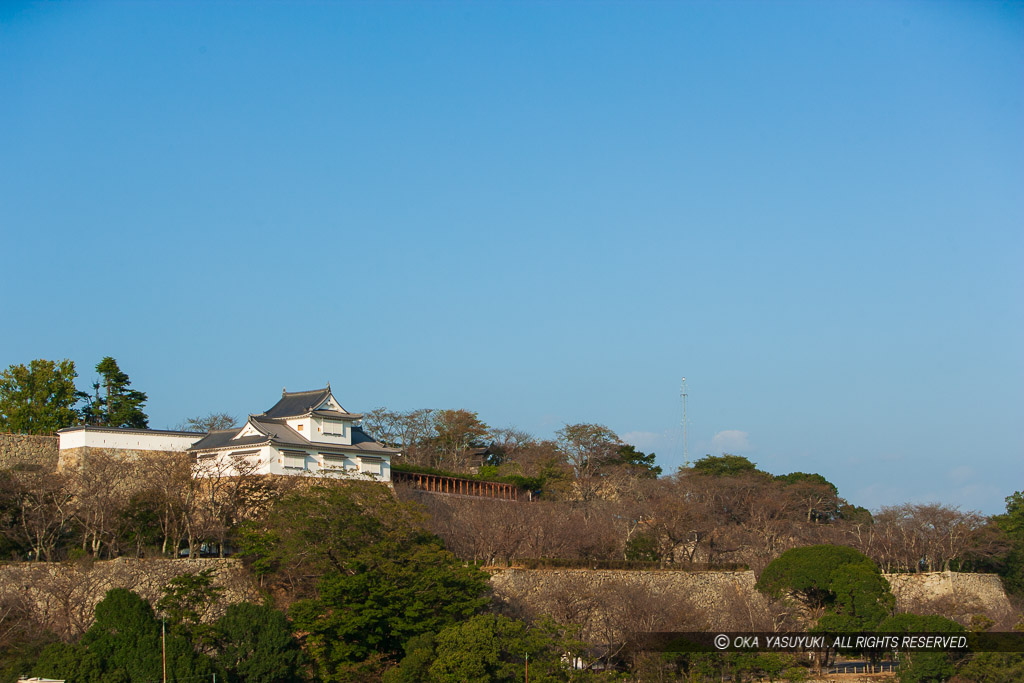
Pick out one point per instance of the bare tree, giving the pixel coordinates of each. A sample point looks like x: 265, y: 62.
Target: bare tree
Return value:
x: 410, y: 431
x: 45, y: 511
x: 588, y: 449
x: 927, y: 537
x: 102, y: 488
x: 210, y: 422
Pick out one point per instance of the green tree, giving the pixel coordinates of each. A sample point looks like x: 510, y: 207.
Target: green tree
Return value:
x: 725, y: 465
x: 993, y: 667
x: 642, y: 547
x: 494, y: 648
x: 828, y: 576
x: 638, y: 462
x: 123, y: 645
x: 39, y: 398
x: 415, y: 665
x: 367, y: 573
x: 806, y: 478
x: 485, y: 648
x: 855, y: 514
x: 1012, y: 524
x: 186, y: 599
x: 113, y: 403
x: 862, y: 596
x: 923, y: 667
x: 254, y: 644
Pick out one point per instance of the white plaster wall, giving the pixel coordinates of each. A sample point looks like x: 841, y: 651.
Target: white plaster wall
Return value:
x: 272, y: 462
x: 321, y: 436
x: 130, y: 440
x: 308, y: 429
x: 223, y: 464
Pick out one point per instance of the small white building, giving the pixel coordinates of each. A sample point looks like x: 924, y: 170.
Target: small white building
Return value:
x: 306, y: 432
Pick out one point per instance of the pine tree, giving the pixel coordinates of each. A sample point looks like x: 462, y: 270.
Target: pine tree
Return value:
x: 113, y: 404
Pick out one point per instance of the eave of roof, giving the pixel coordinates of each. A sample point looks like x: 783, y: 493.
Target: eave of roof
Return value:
x: 127, y: 430
x: 226, y: 439
x: 336, y: 414
x: 370, y: 449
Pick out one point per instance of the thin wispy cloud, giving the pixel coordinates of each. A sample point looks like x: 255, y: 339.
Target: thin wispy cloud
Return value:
x: 730, y: 441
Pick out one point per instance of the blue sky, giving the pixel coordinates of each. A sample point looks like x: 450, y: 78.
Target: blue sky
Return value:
x: 545, y: 212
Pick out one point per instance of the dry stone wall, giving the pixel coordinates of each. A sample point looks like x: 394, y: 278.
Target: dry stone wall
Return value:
x: 728, y: 600
x: 74, y: 458
x: 62, y: 597
x: 28, y: 451
x: 953, y: 594
x: 598, y: 598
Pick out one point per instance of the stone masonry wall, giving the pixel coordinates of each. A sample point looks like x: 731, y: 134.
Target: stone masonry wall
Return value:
x: 716, y: 600
x: 28, y: 451
x: 953, y: 594
x: 729, y: 601
x: 72, y: 458
x: 63, y: 596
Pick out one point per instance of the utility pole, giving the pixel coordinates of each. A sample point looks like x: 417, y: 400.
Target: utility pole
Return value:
x: 163, y: 645
x: 686, y: 453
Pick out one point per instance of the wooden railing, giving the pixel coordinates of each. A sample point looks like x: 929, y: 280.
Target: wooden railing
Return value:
x: 456, y: 486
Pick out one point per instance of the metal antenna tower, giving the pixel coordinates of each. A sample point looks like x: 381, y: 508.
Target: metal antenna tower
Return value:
x: 686, y: 453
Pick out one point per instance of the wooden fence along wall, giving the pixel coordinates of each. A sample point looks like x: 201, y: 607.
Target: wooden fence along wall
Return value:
x: 435, y: 483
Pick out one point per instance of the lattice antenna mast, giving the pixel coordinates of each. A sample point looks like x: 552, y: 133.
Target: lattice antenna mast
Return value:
x: 686, y: 453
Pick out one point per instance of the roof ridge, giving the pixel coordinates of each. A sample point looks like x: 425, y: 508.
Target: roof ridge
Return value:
x: 310, y: 391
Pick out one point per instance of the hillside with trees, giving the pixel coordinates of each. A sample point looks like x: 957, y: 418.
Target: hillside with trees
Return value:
x: 360, y: 581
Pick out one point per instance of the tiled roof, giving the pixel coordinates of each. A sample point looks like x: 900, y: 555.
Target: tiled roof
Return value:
x: 298, y: 403
x: 219, y: 439
x: 127, y: 430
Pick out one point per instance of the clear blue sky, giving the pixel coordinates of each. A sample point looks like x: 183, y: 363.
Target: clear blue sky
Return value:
x: 545, y: 212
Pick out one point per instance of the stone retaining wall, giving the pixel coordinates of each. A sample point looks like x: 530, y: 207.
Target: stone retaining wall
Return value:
x: 73, y: 458
x: 23, y: 451
x: 603, y: 600
x: 63, y: 596
x: 728, y: 600
x: 958, y: 595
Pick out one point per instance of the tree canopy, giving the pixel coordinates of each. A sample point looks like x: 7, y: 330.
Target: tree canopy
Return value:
x: 113, y: 403
x: 484, y: 648
x: 255, y: 645
x: 1012, y: 524
x: 123, y: 645
x: 380, y: 577
x: 638, y: 462
x: 835, y: 577
x: 922, y: 667
x: 38, y: 398
x: 725, y: 465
